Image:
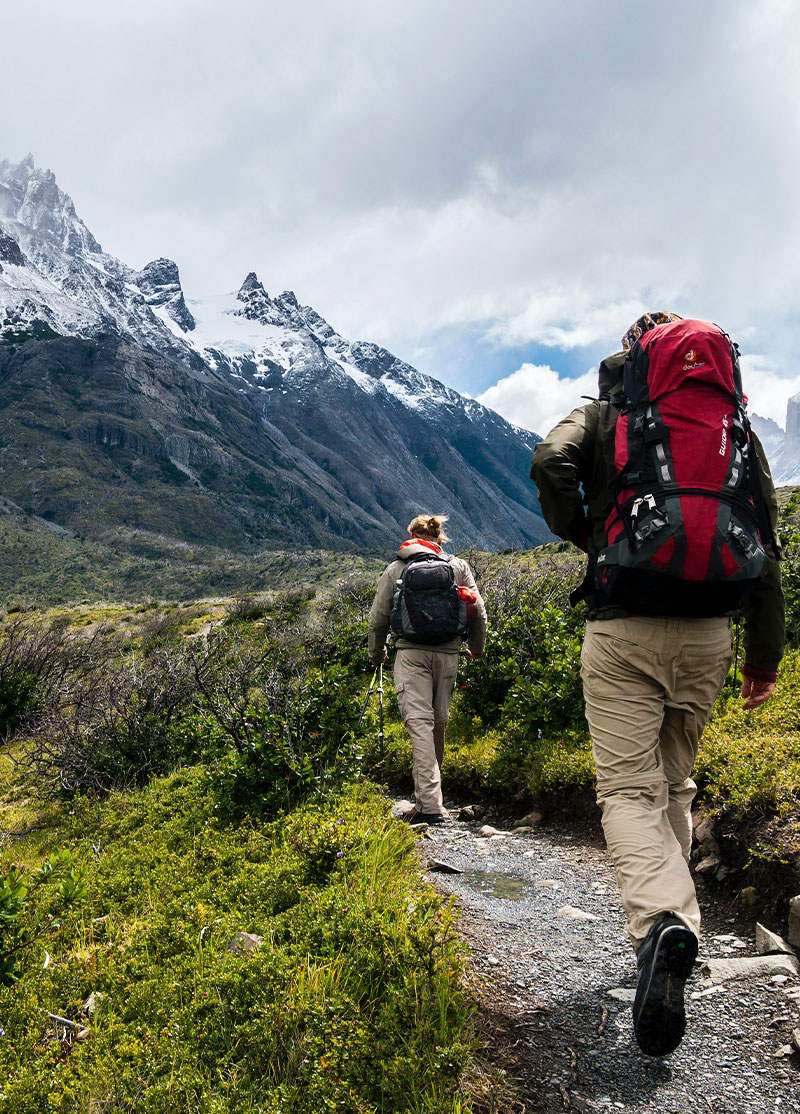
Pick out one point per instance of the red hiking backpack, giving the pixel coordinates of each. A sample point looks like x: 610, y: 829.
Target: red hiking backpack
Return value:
x: 686, y: 533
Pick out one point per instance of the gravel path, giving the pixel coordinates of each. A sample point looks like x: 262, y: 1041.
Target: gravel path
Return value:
x: 557, y: 990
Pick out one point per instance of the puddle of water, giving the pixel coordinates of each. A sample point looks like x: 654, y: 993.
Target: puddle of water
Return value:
x: 494, y: 883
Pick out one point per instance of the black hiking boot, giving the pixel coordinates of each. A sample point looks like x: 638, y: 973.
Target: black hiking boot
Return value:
x: 665, y: 962
x: 415, y: 818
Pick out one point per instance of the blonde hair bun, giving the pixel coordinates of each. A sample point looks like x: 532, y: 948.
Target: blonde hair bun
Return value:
x: 429, y: 527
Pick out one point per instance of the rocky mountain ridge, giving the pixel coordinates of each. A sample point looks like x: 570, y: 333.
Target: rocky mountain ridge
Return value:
x: 245, y: 416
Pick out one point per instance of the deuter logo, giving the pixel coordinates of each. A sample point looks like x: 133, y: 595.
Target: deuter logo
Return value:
x: 724, y: 445
x: 691, y: 361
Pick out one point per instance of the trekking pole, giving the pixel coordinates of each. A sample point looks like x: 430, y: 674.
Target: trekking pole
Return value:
x: 380, y: 718
x: 369, y: 694
x: 385, y: 657
x: 736, y: 653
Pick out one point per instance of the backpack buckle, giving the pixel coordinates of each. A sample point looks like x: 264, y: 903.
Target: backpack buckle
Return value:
x: 648, y: 501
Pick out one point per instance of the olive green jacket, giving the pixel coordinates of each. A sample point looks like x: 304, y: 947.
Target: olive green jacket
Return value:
x: 573, y: 469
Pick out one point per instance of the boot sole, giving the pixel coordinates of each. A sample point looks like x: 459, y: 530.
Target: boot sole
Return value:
x: 661, y: 1021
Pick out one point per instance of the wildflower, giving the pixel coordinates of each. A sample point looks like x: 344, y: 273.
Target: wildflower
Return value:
x: 340, y: 854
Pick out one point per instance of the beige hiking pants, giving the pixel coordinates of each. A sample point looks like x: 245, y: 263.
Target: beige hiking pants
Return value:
x: 650, y: 684
x: 424, y: 681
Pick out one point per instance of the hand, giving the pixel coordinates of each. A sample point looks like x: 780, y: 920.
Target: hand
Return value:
x: 471, y: 656
x: 756, y: 692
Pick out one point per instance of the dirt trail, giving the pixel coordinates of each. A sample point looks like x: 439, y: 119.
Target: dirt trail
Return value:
x: 557, y: 990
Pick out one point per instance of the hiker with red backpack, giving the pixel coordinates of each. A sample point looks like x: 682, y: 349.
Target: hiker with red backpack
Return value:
x: 665, y: 487
x: 429, y: 601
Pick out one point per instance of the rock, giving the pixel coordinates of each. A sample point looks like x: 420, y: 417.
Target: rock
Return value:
x: 796, y: 1038
x: 547, y: 884
x: 401, y: 809
x: 440, y: 867
x: 487, y: 830
x: 703, y: 828
x: 493, y: 960
x: 521, y: 829
x: 467, y: 813
x: 245, y: 942
x: 794, y: 921
x: 709, y: 863
x: 769, y: 943
x: 784, y: 1050
x: 721, y: 970
x: 779, y: 980
x: 576, y: 914
x: 718, y: 988
x: 532, y: 820
x: 622, y: 993
x: 749, y: 895
x: 92, y: 1002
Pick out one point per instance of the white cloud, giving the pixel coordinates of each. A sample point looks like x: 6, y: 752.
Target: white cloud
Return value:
x: 767, y: 392
x: 524, y: 171
x: 536, y: 397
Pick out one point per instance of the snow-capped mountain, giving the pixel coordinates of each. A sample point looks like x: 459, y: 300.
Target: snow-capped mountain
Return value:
x: 782, y: 446
x: 249, y: 409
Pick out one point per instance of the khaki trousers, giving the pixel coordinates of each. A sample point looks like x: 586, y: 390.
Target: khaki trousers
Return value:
x: 424, y: 681
x: 650, y: 684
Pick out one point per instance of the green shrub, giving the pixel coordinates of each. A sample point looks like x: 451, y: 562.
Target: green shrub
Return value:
x: 23, y: 918
x: 352, y: 1002
x: 750, y: 761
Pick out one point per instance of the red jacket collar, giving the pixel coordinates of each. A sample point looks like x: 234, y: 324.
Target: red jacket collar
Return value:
x: 418, y: 541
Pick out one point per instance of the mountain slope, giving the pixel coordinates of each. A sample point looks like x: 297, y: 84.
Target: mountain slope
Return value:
x: 242, y: 421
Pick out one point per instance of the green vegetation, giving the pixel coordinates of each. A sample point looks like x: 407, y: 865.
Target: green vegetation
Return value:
x: 185, y: 773
x: 351, y: 1002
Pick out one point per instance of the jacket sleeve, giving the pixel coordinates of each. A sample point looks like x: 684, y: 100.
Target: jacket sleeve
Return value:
x: 478, y: 624
x: 764, y: 611
x: 379, y: 614
x: 561, y: 463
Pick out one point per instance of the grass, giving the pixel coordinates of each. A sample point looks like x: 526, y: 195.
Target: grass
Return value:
x: 352, y: 1002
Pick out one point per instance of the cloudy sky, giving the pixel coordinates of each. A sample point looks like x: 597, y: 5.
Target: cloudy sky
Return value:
x: 493, y: 189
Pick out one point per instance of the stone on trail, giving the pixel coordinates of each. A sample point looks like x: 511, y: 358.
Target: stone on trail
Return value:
x: 622, y: 993
x: 744, y: 967
x: 794, y: 921
x: 769, y: 943
x: 710, y: 862
x: 749, y: 895
x: 401, y: 809
x: 547, y: 884
x: 487, y: 830
x: 440, y: 867
x: 471, y: 812
x: 796, y: 1038
x: 532, y: 820
x: 576, y: 914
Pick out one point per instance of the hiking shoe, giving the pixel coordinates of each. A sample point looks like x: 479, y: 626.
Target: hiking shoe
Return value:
x: 665, y: 961
x: 415, y: 818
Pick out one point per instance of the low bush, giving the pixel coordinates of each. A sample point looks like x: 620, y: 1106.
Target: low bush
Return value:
x: 750, y: 761
x: 351, y: 1002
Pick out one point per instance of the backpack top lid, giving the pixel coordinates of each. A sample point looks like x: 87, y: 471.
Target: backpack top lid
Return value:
x: 669, y: 355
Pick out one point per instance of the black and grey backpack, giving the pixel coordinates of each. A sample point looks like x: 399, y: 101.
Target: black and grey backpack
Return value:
x: 427, y: 607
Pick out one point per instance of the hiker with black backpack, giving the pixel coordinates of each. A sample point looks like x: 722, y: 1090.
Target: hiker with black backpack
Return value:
x: 665, y: 487
x: 429, y: 601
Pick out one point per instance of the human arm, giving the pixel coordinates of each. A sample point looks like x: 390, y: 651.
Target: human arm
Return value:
x: 561, y: 465
x: 379, y: 615
x: 477, y: 623
x: 764, y: 611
